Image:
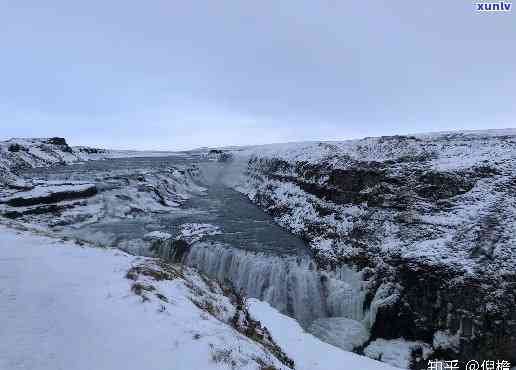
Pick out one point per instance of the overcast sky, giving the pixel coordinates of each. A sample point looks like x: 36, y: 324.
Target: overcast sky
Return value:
x: 182, y: 74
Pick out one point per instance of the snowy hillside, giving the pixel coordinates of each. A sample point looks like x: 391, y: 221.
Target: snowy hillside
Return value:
x: 65, y: 302
x: 22, y: 153
x: 17, y: 154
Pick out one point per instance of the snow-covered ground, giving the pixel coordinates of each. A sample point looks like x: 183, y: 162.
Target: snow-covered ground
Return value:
x: 307, y: 351
x: 17, y: 154
x: 69, y: 307
x: 448, y: 150
x: 47, y: 193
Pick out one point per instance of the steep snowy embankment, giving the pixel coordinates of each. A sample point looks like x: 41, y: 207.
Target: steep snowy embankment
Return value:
x: 306, y: 350
x: 69, y: 307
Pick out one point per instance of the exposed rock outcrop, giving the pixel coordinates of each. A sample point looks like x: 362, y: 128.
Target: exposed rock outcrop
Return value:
x: 50, y: 194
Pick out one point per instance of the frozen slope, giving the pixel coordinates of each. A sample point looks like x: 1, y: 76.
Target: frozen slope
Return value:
x: 69, y: 307
x: 306, y: 350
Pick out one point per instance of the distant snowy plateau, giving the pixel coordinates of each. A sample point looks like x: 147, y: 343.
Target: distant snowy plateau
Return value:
x: 377, y: 253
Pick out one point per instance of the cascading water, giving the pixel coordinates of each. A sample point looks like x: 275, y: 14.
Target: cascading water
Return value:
x: 286, y: 283
x: 293, y: 285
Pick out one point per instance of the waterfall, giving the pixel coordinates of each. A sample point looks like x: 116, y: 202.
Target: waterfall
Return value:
x: 346, y: 295
x: 293, y: 285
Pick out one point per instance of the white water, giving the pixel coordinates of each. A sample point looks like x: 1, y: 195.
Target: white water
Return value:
x: 292, y: 285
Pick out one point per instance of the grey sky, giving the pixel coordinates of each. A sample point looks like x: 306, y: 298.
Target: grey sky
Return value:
x: 181, y: 74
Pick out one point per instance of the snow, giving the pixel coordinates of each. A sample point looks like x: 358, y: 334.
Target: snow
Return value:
x: 342, y: 332
x: 451, y: 150
x: 124, y: 197
x: 69, y: 307
x: 76, y: 308
x: 397, y: 352
x: 308, y: 352
x: 194, y: 232
x: 157, y: 235
x: 19, y: 153
x: 275, y: 172
x: 43, y: 191
x: 445, y: 340
x: 16, y: 154
x: 163, y: 191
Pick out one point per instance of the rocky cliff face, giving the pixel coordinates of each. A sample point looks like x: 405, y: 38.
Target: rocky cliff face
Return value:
x: 429, y: 219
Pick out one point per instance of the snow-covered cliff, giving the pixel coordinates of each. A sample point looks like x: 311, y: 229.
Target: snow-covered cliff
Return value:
x: 18, y: 154
x: 431, y: 217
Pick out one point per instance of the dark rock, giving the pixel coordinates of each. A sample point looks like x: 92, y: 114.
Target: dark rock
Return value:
x: 39, y: 210
x: 225, y: 157
x: 179, y: 250
x: 61, y: 142
x: 90, y: 150
x: 57, y: 141
x: 50, y: 198
x: 439, y: 185
x: 14, y: 148
x: 438, y: 298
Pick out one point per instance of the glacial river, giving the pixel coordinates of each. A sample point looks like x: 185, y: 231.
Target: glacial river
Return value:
x: 259, y: 258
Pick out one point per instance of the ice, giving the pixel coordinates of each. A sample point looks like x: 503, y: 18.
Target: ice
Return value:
x: 157, y: 235
x: 344, y: 333
x: 397, y: 352
x: 193, y: 232
x: 446, y: 341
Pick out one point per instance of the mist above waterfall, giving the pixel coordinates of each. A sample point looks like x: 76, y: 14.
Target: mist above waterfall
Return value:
x: 229, y: 172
